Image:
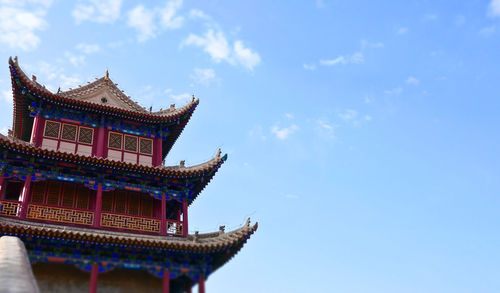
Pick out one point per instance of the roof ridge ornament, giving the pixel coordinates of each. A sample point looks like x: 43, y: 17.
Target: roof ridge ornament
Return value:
x: 106, y: 75
x: 218, y: 153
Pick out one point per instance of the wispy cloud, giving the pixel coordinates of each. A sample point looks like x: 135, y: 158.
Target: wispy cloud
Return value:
x: 88, y: 48
x: 7, y: 96
x: 310, y: 67
x: 402, y: 30
x: 459, y: 20
x: 285, y: 132
x: 149, y: 22
x: 487, y: 31
x: 355, y: 58
x: 217, y: 46
x: 204, y: 76
x: 258, y: 132
x: 20, y: 21
x: 100, y: 11
x: 494, y: 8
x: 76, y: 60
x: 412, y: 80
x: 181, y: 97
x: 54, y: 75
x: 394, y: 91
x: 367, y: 44
x: 430, y: 17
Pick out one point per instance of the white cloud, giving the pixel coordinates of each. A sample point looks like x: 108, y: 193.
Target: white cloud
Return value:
x: 285, y: 132
x: 348, y: 115
x: 291, y: 196
x: 368, y: 100
x: 69, y: 81
x: 257, y: 132
x: 149, y: 22
x: 394, y: 91
x: 181, y: 97
x: 487, y: 31
x: 368, y: 117
x: 204, y: 76
x: 412, y: 80
x: 88, y: 48
x: 4, y: 131
x: 20, y: 22
x: 402, y: 30
x: 289, y: 115
x: 142, y: 20
x: 217, y: 46
x: 375, y: 45
x: 7, y: 96
x: 494, y: 8
x: 310, y: 67
x: 430, y: 17
x: 100, y: 11
x: 169, y: 19
x: 198, y: 14
x: 355, y: 58
x: 76, y: 60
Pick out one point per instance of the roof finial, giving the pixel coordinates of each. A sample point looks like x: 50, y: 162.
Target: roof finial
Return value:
x: 192, y: 98
x: 59, y: 90
x: 150, y: 109
x: 106, y: 74
x: 218, y: 153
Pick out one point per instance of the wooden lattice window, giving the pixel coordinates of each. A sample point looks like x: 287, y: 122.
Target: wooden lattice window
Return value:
x: 85, y: 135
x: 133, y: 204
x: 147, y: 206
x: 53, y: 193
x: 107, y: 202
x: 115, y: 140
x: 82, y: 201
x: 146, y: 146
x: 52, y: 129
x: 130, y: 143
x: 68, y: 132
x: 120, y: 201
x: 68, y: 196
x: 38, y: 192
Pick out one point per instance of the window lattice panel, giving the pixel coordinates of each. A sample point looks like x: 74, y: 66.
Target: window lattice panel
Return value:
x: 68, y: 132
x: 60, y: 215
x: 52, y: 129
x: 115, y: 140
x: 146, y: 146
x: 130, y: 143
x: 85, y: 135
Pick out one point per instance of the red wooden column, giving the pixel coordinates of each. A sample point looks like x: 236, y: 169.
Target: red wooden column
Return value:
x: 201, y: 285
x: 93, y: 278
x: 2, y: 186
x: 37, y: 132
x: 98, y: 206
x: 100, y: 143
x: 25, y: 197
x: 157, y: 155
x: 184, y: 218
x: 166, y: 281
x: 163, y: 215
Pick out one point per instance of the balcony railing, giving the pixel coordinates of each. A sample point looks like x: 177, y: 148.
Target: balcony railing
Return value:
x: 74, y: 216
x: 9, y: 208
x: 61, y: 215
x: 123, y: 221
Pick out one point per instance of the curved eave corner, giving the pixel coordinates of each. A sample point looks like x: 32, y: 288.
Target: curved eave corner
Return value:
x: 207, y: 179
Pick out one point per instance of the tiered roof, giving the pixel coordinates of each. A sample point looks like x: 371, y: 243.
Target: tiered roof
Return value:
x: 101, y: 97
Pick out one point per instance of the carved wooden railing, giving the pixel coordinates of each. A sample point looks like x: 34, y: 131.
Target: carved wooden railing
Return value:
x: 122, y: 221
x: 174, y: 227
x: 9, y: 208
x: 61, y: 215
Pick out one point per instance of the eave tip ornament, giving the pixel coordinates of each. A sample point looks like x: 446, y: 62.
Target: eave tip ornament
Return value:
x: 106, y: 74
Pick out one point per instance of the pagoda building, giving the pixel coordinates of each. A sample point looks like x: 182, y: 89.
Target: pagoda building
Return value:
x: 84, y: 186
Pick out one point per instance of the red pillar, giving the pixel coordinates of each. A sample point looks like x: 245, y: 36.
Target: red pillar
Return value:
x: 100, y: 143
x: 157, y: 158
x: 98, y: 206
x: 37, y: 131
x: 2, y: 186
x: 166, y: 281
x: 163, y: 215
x: 25, y: 197
x: 93, y: 278
x: 201, y: 285
x: 184, y: 218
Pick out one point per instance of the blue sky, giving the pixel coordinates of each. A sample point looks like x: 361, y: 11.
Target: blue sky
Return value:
x: 362, y: 135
